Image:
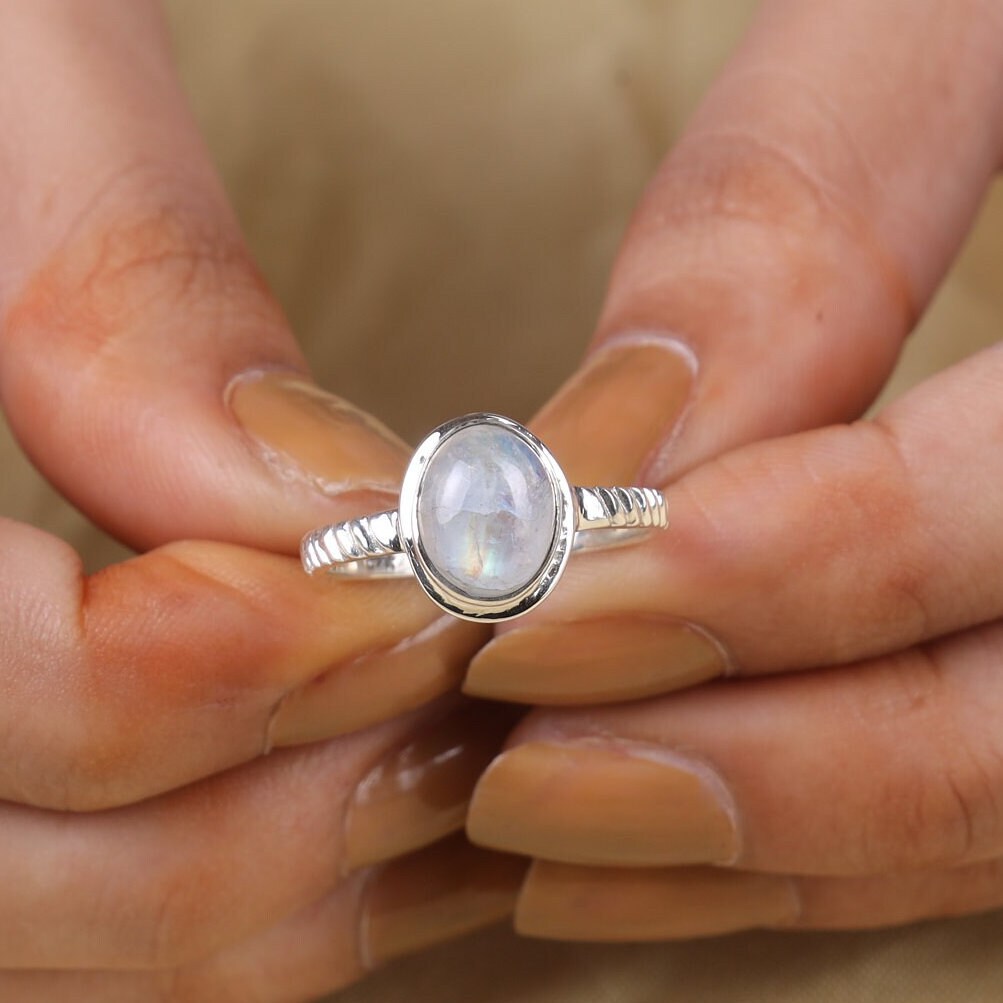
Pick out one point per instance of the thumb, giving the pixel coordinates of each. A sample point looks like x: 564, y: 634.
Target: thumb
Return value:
x: 144, y: 366
x: 788, y: 243
x: 149, y: 374
x: 764, y: 287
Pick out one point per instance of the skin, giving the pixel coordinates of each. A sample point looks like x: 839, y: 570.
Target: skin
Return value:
x: 804, y: 218
x: 147, y: 371
x: 787, y: 246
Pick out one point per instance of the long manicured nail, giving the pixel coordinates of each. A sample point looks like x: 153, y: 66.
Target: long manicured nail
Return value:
x: 594, y: 661
x: 603, y: 802
x: 442, y: 892
x: 309, y: 432
x: 565, y: 902
x: 377, y: 686
x: 420, y: 792
x: 619, y: 409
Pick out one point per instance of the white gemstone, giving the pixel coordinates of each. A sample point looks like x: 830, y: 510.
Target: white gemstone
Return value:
x: 487, y: 512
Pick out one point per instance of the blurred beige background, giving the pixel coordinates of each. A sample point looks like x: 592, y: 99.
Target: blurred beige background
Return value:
x: 436, y: 191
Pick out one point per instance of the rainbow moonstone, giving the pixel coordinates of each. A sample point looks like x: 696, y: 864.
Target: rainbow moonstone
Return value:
x: 487, y: 512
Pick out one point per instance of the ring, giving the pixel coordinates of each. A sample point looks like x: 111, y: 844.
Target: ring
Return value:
x: 486, y: 523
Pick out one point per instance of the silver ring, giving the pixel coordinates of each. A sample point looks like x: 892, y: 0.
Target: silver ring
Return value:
x: 486, y: 521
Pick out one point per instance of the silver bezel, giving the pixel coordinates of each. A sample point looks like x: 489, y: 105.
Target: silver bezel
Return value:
x: 443, y: 593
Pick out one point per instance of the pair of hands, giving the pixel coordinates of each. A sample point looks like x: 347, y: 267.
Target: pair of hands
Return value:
x: 847, y: 772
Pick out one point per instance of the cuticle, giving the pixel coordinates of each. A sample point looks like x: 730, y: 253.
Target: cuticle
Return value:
x: 671, y: 341
x: 256, y: 373
x: 729, y: 666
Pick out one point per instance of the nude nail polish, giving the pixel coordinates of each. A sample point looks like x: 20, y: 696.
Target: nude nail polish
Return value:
x: 378, y: 685
x: 624, y: 404
x: 447, y: 890
x: 594, y: 661
x: 599, y: 801
x: 420, y: 791
x: 306, y: 432
x: 568, y: 902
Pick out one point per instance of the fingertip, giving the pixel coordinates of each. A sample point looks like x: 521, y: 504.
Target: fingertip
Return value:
x: 442, y: 892
x: 377, y: 685
x: 604, y: 660
x: 614, y: 416
x: 306, y: 432
x: 569, y: 902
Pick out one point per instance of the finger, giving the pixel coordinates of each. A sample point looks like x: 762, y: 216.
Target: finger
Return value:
x: 565, y: 902
x: 144, y: 366
x: 180, y: 663
x: 150, y: 375
x: 171, y: 880
x: 316, y: 950
x: 430, y: 897
x: 819, y: 549
x: 790, y: 240
x: 889, y: 765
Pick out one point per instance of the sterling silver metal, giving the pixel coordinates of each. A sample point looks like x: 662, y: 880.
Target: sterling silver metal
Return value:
x: 387, y: 544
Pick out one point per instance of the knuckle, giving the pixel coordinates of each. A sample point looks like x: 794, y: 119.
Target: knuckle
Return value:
x: 734, y: 203
x: 730, y: 173
x: 158, y: 259
x: 205, y: 984
x: 854, y: 487
x: 68, y: 765
x: 942, y: 806
x: 765, y: 228
x: 884, y: 495
x: 166, y: 987
x: 147, y: 247
x: 84, y: 769
x: 184, y: 985
x: 89, y: 764
x: 973, y: 888
x: 964, y: 811
x: 853, y: 514
x: 201, y: 983
x: 175, y: 911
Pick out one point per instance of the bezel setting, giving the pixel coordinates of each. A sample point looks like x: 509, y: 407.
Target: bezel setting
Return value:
x: 446, y: 594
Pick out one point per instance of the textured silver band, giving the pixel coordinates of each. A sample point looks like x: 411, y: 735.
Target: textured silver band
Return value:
x: 370, y: 546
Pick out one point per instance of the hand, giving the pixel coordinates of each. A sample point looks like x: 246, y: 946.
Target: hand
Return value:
x: 779, y: 258
x: 151, y: 377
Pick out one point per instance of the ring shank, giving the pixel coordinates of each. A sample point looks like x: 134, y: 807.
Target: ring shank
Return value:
x: 370, y: 546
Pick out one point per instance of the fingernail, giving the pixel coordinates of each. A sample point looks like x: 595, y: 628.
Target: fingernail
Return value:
x: 440, y: 893
x: 603, y: 802
x: 565, y: 902
x: 377, y: 686
x: 311, y: 433
x: 594, y: 661
x: 420, y: 792
x: 621, y: 407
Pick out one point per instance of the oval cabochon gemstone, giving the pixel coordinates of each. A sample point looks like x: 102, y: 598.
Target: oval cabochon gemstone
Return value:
x: 487, y: 512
